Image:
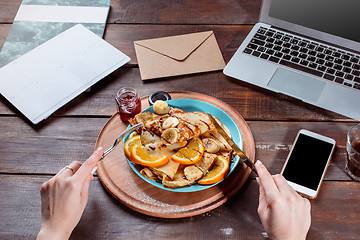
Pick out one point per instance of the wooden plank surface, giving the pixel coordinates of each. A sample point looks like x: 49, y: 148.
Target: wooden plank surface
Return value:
x: 185, y: 12
x: 47, y: 149
x: 251, y: 102
x: 30, y: 155
x: 8, y: 10
x: 122, y: 36
x: 166, y: 12
x: 105, y: 218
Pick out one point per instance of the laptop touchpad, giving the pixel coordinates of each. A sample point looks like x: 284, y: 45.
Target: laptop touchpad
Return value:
x: 297, y: 85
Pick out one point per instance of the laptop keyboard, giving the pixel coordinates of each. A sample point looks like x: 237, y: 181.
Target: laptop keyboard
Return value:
x: 305, y: 55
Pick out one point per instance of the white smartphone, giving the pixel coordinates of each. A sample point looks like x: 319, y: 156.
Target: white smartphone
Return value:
x: 307, y: 162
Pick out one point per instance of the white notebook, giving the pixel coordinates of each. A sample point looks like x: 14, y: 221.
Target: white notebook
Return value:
x: 46, y: 78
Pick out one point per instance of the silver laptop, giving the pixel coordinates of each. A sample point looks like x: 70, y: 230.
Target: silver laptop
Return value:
x: 307, y: 49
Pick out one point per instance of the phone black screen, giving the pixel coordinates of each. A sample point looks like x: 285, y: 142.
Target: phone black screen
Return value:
x: 307, y: 161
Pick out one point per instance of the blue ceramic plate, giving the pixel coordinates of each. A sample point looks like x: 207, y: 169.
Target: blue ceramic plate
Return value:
x: 192, y: 105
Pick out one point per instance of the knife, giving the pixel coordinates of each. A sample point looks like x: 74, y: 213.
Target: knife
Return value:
x: 237, y: 150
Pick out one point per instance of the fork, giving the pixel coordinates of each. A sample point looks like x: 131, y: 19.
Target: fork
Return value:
x: 121, y: 136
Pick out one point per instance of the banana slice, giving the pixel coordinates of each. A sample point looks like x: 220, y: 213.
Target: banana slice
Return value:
x: 170, y: 122
x: 171, y: 135
x: 218, y: 138
x: 147, y: 137
x: 193, y: 173
x: 211, y: 145
x: 161, y: 107
x: 176, y: 146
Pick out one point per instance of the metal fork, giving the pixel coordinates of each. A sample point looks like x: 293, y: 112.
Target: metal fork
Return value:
x: 122, y: 135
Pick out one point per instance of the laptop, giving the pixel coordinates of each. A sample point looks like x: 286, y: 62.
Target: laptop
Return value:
x: 306, y: 49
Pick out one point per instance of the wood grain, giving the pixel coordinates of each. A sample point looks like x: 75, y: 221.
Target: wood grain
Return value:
x: 166, y: 12
x: 47, y: 149
x: 30, y: 153
x: 251, y: 102
x: 59, y: 141
x: 122, y: 36
x: 8, y: 10
x: 185, y: 12
x: 334, y: 215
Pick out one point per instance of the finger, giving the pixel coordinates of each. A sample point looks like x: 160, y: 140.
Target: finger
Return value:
x: 64, y: 169
x: 60, y: 171
x: 70, y: 169
x: 267, y: 182
x: 45, y: 201
x: 283, y: 185
x: 85, y: 170
x: 262, y: 200
x: 85, y: 189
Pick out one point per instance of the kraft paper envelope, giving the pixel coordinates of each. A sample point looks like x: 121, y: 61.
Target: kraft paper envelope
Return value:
x: 178, y: 55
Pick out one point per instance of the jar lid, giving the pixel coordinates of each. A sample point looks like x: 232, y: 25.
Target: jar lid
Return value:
x: 158, y: 95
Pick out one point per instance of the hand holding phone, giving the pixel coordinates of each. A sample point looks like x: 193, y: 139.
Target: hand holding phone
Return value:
x: 307, y: 162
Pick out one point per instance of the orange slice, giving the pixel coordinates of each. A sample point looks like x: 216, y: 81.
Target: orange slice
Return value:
x: 140, y: 156
x: 186, y: 156
x: 217, y: 173
x: 191, y: 153
x: 129, y: 144
x: 196, y: 144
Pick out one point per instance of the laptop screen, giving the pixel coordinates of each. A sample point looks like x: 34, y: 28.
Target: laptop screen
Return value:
x: 337, y: 17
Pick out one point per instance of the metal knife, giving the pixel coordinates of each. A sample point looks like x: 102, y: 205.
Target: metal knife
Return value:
x: 237, y: 150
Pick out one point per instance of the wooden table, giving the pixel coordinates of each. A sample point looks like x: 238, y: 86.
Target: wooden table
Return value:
x: 31, y: 155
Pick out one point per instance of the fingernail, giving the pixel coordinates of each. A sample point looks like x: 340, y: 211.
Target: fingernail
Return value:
x: 100, y: 148
x: 257, y: 180
x: 258, y: 162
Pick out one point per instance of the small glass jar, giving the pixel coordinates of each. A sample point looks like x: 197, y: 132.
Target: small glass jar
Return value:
x: 352, y: 166
x: 128, y: 103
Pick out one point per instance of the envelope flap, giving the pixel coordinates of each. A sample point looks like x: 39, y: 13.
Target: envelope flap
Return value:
x: 176, y: 47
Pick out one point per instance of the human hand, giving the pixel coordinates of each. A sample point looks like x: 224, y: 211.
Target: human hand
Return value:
x: 283, y: 213
x: 64, y: 197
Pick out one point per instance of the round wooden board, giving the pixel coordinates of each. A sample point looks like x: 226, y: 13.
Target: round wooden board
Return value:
x: 120, y: 180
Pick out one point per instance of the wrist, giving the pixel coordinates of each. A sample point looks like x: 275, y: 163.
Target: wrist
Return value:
x: 54, y: 234
x: 287, y: 238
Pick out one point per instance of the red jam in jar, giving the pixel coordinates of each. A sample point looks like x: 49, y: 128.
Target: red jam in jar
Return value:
x: 128, y: 103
